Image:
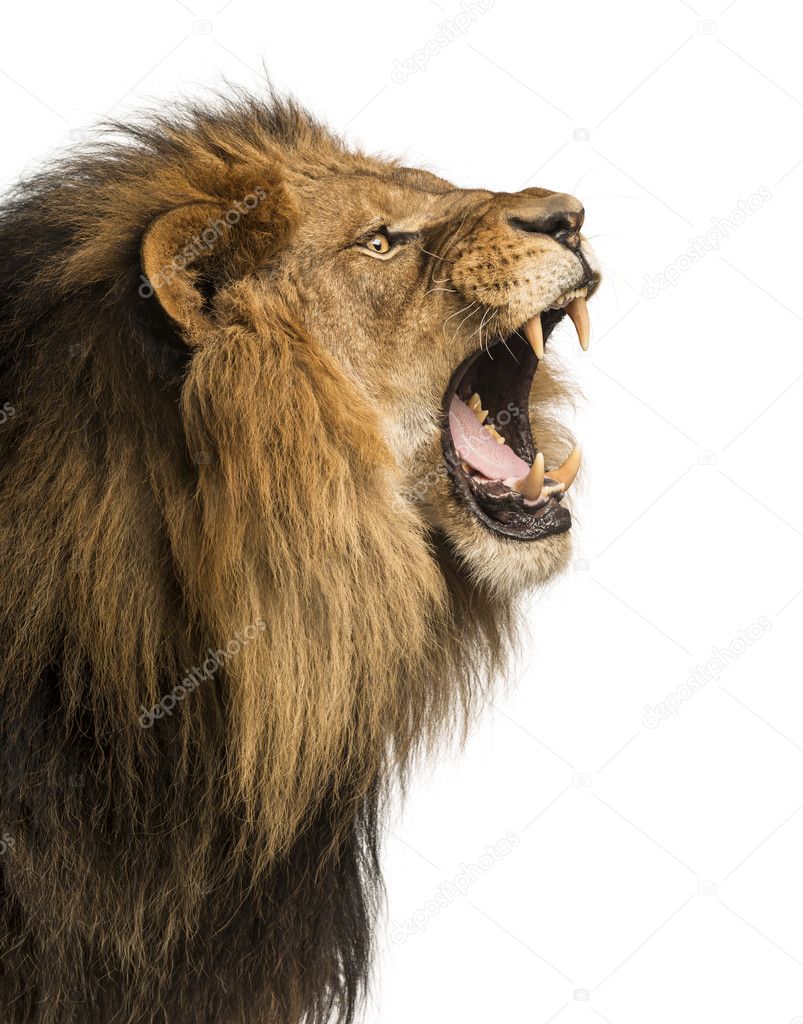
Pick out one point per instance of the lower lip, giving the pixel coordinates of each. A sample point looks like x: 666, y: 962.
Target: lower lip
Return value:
x: 552, y: 519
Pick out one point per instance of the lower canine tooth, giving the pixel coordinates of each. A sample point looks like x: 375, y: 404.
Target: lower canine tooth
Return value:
x: 566, y: 473
x: 535, y: 335
x: 531, y: 485
x: 578, y: 311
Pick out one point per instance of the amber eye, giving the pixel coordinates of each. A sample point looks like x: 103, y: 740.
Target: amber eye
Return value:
x: 379, y: 243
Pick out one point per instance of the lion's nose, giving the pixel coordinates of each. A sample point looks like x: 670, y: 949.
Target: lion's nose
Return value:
x: 553, y: 213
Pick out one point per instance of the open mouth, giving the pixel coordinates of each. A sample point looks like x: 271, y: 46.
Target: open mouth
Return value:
x: 493, y: 459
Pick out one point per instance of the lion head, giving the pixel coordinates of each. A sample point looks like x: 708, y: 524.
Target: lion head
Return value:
x: 429, y: 298
x: 282, y: 409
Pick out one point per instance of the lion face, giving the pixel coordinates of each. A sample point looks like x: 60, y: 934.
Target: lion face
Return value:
x: 437, y: 301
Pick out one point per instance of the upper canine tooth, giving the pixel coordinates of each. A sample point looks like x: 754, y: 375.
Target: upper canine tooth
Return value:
x: 535, y: 335
x: 578, y: 311
x: 566, y: 473
x: 532, y: 484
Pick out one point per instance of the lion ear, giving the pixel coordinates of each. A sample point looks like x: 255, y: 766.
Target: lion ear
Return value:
x: 192, y: 250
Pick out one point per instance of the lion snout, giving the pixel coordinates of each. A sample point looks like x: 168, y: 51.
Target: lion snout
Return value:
x: 522, y: 253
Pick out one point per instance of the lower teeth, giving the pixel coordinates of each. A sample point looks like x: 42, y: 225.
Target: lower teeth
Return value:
x: 533, y: 487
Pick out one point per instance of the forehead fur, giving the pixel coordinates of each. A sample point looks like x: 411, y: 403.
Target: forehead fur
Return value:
x: 93, y: 204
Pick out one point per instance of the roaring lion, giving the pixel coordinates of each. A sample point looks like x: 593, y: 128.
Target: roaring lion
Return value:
x: 268, y: 493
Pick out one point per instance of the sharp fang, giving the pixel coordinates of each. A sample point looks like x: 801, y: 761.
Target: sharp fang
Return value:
x: 531, y: 485
x: 578, y: 311
x: 535, y: 335
x: 566, y: 473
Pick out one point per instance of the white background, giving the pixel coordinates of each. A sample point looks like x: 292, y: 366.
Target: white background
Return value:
x: 655, y: 873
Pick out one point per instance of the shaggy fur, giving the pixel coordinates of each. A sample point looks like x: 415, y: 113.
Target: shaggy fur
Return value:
x: 219, y: 462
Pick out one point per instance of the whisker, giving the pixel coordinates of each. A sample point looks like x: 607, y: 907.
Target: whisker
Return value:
x: 466, y: 318
x: 476, y: 310
x: 519, y: 335
x: 486, y: 314
x: 457, y: 313
x: 435, y: 255
x: 510, y: 350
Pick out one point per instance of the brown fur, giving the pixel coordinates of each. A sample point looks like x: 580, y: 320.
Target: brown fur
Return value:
x: 225, y: 452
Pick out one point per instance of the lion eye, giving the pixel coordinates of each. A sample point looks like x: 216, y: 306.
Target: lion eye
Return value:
x: 383, y: 242
x: 379, y: 243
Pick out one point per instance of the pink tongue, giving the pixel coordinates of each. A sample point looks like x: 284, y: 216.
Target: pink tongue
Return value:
x: 475, y: 446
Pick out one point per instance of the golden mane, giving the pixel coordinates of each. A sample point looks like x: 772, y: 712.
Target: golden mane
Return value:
x: 161, y: 506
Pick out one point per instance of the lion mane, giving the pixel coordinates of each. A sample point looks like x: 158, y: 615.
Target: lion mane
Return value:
x: 222, y: 636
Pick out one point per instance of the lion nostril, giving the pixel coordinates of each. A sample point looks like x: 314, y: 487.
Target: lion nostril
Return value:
x: 569, y: 238
x: 561, y: 225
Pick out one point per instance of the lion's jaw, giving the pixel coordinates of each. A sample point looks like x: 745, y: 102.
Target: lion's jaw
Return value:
x: 441, y: 320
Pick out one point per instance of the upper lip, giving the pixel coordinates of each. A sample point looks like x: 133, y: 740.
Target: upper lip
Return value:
x: 502, y: 373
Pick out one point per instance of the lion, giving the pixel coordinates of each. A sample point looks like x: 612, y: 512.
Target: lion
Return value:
x: 280, y: 454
